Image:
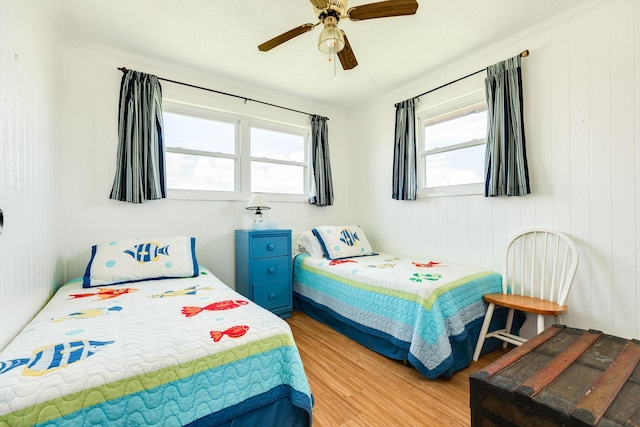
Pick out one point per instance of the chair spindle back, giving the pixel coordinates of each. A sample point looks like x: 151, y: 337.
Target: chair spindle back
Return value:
x: 540, y: 263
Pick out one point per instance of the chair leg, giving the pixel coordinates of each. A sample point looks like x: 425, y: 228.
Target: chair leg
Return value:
x: 483, y: 331
x: 540, y: 323
x: 508, y: 325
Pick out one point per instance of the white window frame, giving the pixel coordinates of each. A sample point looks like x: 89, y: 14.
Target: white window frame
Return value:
x: 444, y: 111
x: 242, y: 156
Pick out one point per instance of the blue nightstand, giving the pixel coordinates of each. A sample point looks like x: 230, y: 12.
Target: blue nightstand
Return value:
x: 263, y: 268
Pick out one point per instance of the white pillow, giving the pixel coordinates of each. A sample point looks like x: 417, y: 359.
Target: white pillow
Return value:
x: 133, y: 260
x: 343, y: 241
x: 308, y: 243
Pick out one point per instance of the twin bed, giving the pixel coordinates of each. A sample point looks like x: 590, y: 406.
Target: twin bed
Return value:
x: 171, y: 352
x: 421, y: 311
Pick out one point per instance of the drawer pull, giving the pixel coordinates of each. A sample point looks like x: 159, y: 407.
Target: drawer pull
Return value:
x: 272, y: 295
x: 271, y: 270
x: 271, y: 247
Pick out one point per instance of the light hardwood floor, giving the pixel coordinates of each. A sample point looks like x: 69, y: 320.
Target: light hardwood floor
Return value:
x: 353, y: 386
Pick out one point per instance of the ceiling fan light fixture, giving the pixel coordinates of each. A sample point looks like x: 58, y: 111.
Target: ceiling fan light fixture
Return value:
x: 331, y: 39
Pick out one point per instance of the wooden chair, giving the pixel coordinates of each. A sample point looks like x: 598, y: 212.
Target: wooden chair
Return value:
x: 539, y: 267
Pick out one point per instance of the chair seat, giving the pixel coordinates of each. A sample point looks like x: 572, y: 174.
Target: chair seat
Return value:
x: 528, y: 304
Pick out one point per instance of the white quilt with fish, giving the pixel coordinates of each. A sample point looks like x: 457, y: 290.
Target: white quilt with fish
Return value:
x: 420, y: 306
x: 157, y: 353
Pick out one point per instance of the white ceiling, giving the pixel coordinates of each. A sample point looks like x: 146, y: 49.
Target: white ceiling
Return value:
x: 221, y: 38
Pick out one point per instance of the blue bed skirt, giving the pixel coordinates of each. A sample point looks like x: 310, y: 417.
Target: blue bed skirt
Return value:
x: 287, y: 411
x: 462, y: 345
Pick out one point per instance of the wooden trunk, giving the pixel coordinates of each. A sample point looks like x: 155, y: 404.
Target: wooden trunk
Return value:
x: 562, y: 377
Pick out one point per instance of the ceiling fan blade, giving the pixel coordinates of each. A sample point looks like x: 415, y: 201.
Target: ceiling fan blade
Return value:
x: 346, y: 55
x: 383, y: 9
x: 320, y: 4
x: 278, y: 40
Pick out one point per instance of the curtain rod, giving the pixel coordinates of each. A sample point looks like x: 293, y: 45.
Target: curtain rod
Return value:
x: 124, y: 70
x: 523, y: 54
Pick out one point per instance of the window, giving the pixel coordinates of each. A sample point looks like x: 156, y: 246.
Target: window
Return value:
x: 211, y: 155
x: 277, y: 162
x: 200, y: 153
x: 452, y: 148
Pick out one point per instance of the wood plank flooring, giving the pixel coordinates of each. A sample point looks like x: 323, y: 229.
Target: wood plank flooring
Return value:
x: 353, y: 386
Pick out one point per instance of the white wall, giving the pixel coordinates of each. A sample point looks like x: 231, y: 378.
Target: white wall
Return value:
x: 582, y: 101
x: 58, y: 141
x: 29, y: 243
x: 88, y: 149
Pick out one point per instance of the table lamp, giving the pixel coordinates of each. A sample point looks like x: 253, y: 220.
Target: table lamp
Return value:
x: 258, y: 202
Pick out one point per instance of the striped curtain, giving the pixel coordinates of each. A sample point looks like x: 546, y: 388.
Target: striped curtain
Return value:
x: 405, y: 174
x: 505, y: 166
x: 140, y: 169
x: 322, y: 185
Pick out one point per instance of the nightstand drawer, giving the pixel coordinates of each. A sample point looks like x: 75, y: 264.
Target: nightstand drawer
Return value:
x: 270, y: 269
x: 269, y: 246
x: 273, y: 295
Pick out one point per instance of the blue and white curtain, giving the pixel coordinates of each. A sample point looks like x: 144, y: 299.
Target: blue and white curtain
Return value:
x: 506, y: 169
x: 405, y: 173
x: 140, y: 169
x: 322, y: 185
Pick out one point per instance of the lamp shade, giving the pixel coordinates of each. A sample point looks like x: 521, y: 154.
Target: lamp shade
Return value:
x: 331, y: 39
x: 258, y: 202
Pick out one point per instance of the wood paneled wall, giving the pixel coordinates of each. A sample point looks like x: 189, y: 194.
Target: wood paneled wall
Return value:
x: 582, y: 105
x: 28, y: 242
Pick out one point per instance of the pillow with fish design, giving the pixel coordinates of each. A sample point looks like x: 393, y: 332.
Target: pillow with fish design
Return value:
x: 133, y: 260
x: 343, y: 241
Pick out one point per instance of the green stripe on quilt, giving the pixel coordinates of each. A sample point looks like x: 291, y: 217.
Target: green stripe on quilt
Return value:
x: 427, y: 303
x: 56, y: 408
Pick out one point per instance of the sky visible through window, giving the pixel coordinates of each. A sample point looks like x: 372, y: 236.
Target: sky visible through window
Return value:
x: 274, y: 177
x: 277, y: 145
x: 196, y: 133
x: 189, y: 172
x: 197, y: 172
x: 460, y: 166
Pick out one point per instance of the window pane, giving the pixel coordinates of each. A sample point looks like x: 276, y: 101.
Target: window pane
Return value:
x: 464, y: 166
x: 196, y: 133
x: 188, y: 172
x: 461, y: 129
x: 277, y: 145
x: 276, y: 178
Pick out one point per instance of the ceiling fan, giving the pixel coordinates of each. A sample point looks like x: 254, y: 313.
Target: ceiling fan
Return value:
x: 332, y: 39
